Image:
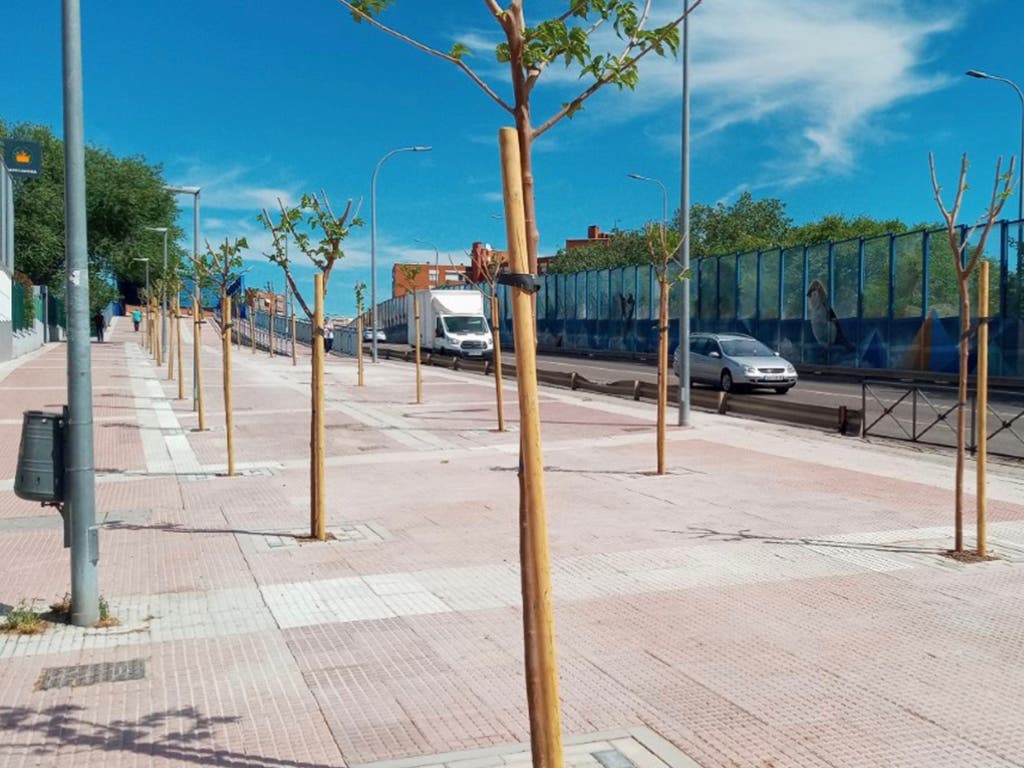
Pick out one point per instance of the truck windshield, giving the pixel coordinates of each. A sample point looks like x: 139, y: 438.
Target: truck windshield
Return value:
x: 465, y: 324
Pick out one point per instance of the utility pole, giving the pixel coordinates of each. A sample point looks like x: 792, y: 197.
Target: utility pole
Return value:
x: 79, y: 471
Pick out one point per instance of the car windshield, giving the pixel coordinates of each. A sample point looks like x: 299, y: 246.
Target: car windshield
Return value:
x: 465, y: 324
x: 745, y: 348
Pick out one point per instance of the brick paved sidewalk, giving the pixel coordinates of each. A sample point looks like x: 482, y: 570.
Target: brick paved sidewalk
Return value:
x: 780, y: 598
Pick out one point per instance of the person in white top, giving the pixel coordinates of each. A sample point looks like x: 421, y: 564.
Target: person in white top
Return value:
x: 328, y: 335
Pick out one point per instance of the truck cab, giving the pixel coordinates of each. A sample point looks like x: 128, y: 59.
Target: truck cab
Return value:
x: 463, y: 335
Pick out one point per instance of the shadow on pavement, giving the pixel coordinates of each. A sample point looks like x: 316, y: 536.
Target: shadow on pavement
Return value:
x: 697, y: 532
x: 63, y: 726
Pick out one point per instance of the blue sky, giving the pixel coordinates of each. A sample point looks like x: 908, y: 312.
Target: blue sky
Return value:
x: 830, y: 105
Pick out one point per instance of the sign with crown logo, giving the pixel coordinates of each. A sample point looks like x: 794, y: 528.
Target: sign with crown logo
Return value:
x: 24, y: 157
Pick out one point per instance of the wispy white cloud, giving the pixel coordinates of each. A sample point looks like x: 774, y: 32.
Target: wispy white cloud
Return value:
x: 819, y: 74
x: 816, y: 75
x: 233, y: 189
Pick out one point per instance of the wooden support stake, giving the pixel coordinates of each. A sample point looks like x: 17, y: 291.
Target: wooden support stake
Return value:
x: 982, y: 398
x: 158, y: 333
x: 170, y: 344
x: 318, y: 527
x: 177, y: 334
x: 226, y: 345
x: 662, y: 370
x: 538, y: 621
x: 496, y: 331
x: 197, y: 361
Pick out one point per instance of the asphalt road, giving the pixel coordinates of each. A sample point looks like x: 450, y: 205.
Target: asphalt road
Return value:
x: 892, y: 410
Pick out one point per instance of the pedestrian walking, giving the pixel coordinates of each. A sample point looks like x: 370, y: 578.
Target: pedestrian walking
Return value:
x: 136, y: 319
x: 100, y: 322
x: 328, y: 336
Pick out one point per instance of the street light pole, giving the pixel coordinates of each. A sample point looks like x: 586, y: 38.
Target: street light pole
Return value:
x: 196, y: 298
x: 163, y: 289
x: 1020, y: 189
x: 664, y: 194
x: 79, y: 469
x: 373, y: 239
x: 437, y: 259
x: 684, y: 226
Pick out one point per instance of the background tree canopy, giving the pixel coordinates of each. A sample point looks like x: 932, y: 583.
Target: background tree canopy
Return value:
x: 744, y: 226
x: 124, y: 196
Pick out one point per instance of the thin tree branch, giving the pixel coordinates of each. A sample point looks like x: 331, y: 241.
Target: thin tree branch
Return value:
x: 947, y: 215
x: 994, y: 209
x: 576, y: 103
x: 432, y: 51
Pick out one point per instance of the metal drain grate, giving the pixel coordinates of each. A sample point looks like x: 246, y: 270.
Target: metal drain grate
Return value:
x: 90, y: 674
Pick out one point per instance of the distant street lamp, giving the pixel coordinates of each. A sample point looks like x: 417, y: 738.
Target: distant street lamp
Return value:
x: 163, y: 288
x: 437, y: 259
x: 1020, y: 188
x: 664, y: 194
x: 196, y: 298
x: 373, y: 239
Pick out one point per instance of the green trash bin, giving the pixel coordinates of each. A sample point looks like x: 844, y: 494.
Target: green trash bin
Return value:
x: 40, y: 472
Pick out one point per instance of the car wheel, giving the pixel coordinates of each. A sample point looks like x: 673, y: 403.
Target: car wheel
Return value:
x: 726, y: 381
x: 781, y: 390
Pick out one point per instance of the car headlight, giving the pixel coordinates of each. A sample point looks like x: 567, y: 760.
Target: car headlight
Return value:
x: 750, y: 370
x: 790, y: 370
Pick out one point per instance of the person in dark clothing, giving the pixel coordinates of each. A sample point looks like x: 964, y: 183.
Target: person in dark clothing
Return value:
x: 100, y: 322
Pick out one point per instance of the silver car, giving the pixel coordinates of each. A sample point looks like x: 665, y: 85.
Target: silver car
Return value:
x: 736, y: 361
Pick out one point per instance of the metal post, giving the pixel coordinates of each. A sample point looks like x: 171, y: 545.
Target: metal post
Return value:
x: 684, y: 311
x: 197, y: 306
x: 163, y: 299
x: 1020, y: 179
x: 80, y: 476
x: 373, y: 241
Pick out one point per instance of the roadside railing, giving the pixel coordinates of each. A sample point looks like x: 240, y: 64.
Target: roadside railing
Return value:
x: 840, y: 419
x: 927, y: 414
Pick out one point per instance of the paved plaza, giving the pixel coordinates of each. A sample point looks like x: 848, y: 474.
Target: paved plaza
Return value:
x: 780, y: 598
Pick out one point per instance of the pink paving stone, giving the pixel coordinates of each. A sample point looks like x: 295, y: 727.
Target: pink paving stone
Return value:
x: 916, y: 664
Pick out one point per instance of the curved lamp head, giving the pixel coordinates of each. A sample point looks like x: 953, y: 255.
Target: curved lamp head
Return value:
x: 978, y: 74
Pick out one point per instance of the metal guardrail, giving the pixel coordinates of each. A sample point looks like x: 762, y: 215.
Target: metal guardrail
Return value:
x: 926, y: 414
x: 840, y: 419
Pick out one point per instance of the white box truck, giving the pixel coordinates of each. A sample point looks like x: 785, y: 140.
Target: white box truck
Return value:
x: 452, y: 322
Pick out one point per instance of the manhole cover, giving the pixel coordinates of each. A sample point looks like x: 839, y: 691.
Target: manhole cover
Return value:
x: 90, y: 674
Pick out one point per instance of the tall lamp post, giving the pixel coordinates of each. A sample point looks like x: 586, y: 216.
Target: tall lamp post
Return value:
x: 196, y: 299
x: 373, y: 239
x: 163, y: 288
x: 79, y: 466
x: 664, y: 194
x: 684, y: 226
x: 437, y: 259
x: 1020, y: 190
x: 684, y: 325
